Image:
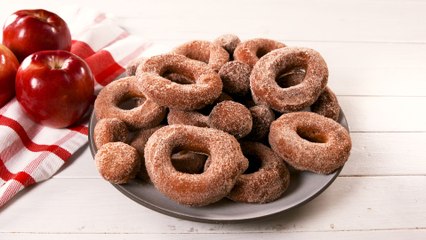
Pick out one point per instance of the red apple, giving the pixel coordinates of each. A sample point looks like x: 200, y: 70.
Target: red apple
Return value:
x: 54, y: 88
x: 8, y: 67
x: 29, y: 31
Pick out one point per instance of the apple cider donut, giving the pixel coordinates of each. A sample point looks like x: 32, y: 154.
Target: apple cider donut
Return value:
x: 227, y: 163
x: 311, y: 142
x: 229, y: 42
x: 117, y: 162
x: 212, y: 54
x: 183, y: 161
x: 251, y: 51
x: 146, y: 114
x: 231, y: 117
x: 327, y: 105
x: 266, y: 178
x: 110, y: 130
x: 235, y: 77
x: 265, y: 89
x: 199, y: 118
x: 205, y: 88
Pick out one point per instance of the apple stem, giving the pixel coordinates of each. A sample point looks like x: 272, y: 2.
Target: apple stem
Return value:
x: 55, y: 63
x: 40, y: 15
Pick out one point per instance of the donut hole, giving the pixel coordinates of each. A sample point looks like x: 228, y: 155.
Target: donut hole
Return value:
x: 187, y: 161
x: 130, y: 102
x: 290, y: 78
x: 231, y: 117
x: 177, y: 75
x: 311, y: 135
x: 255, y: 163
x: 262, y: 52
x: 208, y: 109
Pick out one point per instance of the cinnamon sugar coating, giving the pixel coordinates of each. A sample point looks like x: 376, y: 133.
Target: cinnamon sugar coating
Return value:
x: 262, y: 118
x: 207, y: 109
x: 133, y: 65
x: 252, y: 50
x: 146, y: 114
x: 327, y: 105
x: 310, y: 142
x: 231, y: 117
x: 205, y: 88
x: 265, y: 89
x: 229, y: 42
x: 192, y: 118
x: 227, y: 163
x: 117, y: 162
x: 199, y: 118
x: 212, y: 54
x: 265, y: 184
x: 235, y: 77
x: 138, y: 142
x: 110, y: 130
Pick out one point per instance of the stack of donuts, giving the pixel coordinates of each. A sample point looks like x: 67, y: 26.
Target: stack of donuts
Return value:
x: 220, y: 119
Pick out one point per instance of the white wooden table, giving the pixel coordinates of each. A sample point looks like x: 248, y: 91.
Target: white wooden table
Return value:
x: 376, y: 53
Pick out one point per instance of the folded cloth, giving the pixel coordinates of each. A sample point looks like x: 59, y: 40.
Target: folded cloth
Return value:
x: 30, y: 152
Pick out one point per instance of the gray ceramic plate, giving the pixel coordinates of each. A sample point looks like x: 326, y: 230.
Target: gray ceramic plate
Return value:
x: 304, y: 186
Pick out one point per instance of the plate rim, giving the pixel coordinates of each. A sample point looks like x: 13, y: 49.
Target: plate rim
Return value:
x: 169, y: 212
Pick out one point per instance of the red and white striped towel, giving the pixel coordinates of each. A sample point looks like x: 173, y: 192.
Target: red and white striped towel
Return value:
x: 30, y: 152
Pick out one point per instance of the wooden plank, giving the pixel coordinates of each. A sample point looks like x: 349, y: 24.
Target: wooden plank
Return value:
x: 343, y: 235
x: 386, y: 154
x: 371, y: 203
x: 375, y: 51
x: 356, y: 68
x: 373, y: 69
x: 330, y: 20
x: 384, y: 114
x: 323, y: 21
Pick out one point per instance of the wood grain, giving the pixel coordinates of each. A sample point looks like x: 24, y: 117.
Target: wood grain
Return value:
x: 351, y: 203
x: 375, y: 52
x: 345, y: 235
x: 330, y: 20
